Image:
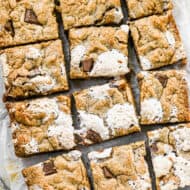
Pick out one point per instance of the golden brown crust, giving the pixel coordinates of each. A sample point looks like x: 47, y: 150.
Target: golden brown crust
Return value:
x: 170, y: 154
x: 39, y: 69
x: 41, y: 125
x: 99, y: 44
x: 16, y: 29
x: 138, y: 9
x: 85, y: 13
x: 122, y: 167
x: 65, y: 172
x: 105, y: 112
x: 164, y: 97
x: 157, y: 41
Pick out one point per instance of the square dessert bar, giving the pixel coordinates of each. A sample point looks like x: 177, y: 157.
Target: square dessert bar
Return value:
x: 138, y: 9
x: 105, y: 112
x: 157, y: 41
x: 85, y: 13
x: 164, y: 97
x: 64, y: 172
x: 26, y: 21
x: 41, y: 125
x: 170, y: 150
x: 119, y: 168
x: 99, y: 51
x: 31, y: 70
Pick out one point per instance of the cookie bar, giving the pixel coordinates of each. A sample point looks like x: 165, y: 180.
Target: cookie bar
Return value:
x: 99, y: 51
x: 66, y: 171
x: 105, y: 112
x: 85, y: 13
x: 138, y: 9
x: 39, y: 69
x: 157, y: 41
x: 170, y: 150
x: 41, y: 125
x: 164, y: 97
x: 122, y: 167
x: 26, y: 21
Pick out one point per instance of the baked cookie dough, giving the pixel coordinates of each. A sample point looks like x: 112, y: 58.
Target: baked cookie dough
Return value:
x: 99, y: 51
x: 64, y: 172
x: 37, y: 69
x: 170, y: 149
x: 41, y: 125
x: 157, y: 41
x: 26, y: 21
x: 105, y: 112
x: 121, y: 167
x: 164, y: 97
x: 143, y: 8
x: 85, y: 13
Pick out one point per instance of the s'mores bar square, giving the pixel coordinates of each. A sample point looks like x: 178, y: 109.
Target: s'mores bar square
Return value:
x: 105, y: 112
x: 164, y: 96
x: 170, y: 150
x: 37, y: 69
x: 138, y: 9
x: 157, y: 41
x: 99, y: 51
x: 26, y: 21
x: 41, y: 125
x: 85, y: 13
x: 64, y: 172
x: 121, y: 167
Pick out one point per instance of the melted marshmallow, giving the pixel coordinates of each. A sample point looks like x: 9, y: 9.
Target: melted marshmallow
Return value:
x: 33, y: 53
x: 31, y: 147
x: 121, y: 116
x: 95, y: 155
x: 110, y: 63
x: 44, y: 83
x: 92, y: 121
x: 145, y: 63
x: 181, y: 136
x: 63, y: 130
x: 170, y: 38
x: 77, y: 54
x: 151, y: 109
x: 118, y: 15
x: 162, y: 165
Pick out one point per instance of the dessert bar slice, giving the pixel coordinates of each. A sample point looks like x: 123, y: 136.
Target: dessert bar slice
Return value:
x: 121, y: 167
x: 41, y: 125
x: 170, y: 150
x: 63, y: 172
x: 164, y: 97
x: 138, y: 9
x: 157, y: 41
x: 105, y: 112
x: 37, y: 69
x: 84, y: 12
x: 99, y: 51
x: 26, y: 21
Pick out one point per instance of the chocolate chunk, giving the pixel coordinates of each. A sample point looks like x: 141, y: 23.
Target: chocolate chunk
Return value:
x: 78, y: 139
x: 93, y: 136
x: 87, y: 65
x: 30, y: 17
x: 107, y: 172
x: 49, y: 168
x: 162, y: 79
x: 9, y: 27
x: 154, y: 147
